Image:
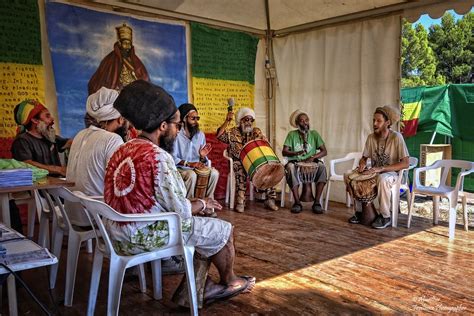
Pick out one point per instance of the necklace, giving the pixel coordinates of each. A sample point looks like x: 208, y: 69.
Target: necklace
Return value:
x: 382, y: 158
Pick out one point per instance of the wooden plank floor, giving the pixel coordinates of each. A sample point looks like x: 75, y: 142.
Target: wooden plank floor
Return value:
x: 308, y: 264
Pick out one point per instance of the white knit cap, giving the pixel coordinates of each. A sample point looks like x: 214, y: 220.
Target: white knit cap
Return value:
x: 100, y: 105
x: 243, y: 112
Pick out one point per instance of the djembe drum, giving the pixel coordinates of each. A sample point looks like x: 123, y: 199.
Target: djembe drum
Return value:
x: 363, y: 187
x: 261, y: 164
x: 202, y: 181
x: 306, y: 172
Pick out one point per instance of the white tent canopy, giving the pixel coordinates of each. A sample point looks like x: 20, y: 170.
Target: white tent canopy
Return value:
x: 284, y: 15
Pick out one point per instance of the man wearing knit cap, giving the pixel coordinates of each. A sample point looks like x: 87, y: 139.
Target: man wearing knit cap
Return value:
x: 237, y: 137
x: 304, y: 145
x: 37, y: 142
x: 388, y: 153
x: 92, y: 148
x: 190, y: 151
x: 142, y: 178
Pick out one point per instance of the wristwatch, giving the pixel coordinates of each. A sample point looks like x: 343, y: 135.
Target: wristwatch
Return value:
x: 185, y: 163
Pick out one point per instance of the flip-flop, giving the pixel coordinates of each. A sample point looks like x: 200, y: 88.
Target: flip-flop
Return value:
x: 250, y: 280
x: 227, y: 292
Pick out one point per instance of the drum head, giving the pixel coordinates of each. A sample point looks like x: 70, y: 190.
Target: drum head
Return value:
x: 268, y: 175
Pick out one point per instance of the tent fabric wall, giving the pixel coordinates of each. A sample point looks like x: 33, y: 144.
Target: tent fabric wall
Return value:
x: 338, y: 75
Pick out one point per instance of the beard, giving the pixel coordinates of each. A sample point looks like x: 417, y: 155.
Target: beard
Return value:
x: 47, y: 131
x: 122, y: 131
x: 303, y: 128
x: 166, y: 142
x: 247, y: 129
x: 193, y: 130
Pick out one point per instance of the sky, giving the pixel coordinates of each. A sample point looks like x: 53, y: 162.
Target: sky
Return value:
x: 80, y: 38
x: 426, y: 21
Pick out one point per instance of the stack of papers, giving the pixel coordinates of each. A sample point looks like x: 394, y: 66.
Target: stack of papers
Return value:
x: 16, y: 177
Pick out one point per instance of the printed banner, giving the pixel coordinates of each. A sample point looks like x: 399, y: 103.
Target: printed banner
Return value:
x: 21, y: 69
x: 90, y: 49
x: 223, y: 67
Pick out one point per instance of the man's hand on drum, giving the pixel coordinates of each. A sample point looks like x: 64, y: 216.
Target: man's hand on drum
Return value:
x: 205, y: 150
x: 196, y: 165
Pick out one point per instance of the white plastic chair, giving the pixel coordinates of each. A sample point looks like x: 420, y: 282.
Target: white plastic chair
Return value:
x: 119, y: 263
x: 444, y: 190
x: 334, y: 176
x: 403, y: 183
x: 231, y: 183
x: 283, y: 188
x: 76, y: 235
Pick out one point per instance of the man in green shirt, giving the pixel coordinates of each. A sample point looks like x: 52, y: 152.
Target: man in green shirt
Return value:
x: 304, y: 145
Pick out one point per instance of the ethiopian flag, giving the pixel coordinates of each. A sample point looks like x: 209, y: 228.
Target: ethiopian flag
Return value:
x: 21, y: 69
x: 223, y: 67
x: 410, y: 118
x: 411, y: 109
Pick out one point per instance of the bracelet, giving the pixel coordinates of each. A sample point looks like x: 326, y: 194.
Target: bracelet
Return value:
x: 204, y: 205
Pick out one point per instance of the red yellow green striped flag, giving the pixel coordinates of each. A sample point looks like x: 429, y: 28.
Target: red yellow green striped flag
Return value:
x: 410, y: 118
x: 223, y: 67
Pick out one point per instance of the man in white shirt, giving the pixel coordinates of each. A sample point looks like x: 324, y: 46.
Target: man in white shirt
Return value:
x: 92, y: 148
x: 190, y: 152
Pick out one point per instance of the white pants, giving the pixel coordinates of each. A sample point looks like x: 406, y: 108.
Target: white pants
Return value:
x: 385, y: 182
x: 190, y: 178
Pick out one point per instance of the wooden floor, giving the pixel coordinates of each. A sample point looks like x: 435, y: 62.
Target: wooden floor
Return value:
x: 307, y: 264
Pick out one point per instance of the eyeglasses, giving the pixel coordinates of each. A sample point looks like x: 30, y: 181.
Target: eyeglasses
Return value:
x: 194, y: 118
x: 179, y: 125
x: 248, y: 119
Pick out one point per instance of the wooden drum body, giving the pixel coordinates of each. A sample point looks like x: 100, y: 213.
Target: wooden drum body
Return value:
x: 261, y: 164
x: 363, y: 188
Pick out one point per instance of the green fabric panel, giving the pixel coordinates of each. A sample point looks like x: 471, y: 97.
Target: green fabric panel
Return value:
x: 219, y: 54
x: 20, y: 34
x: 462, y: 110
x: 463, y: 150
x: 435, y: 108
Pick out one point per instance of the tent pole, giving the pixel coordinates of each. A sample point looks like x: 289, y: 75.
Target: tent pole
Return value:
x: 433, y: 138
x: 269, y: 75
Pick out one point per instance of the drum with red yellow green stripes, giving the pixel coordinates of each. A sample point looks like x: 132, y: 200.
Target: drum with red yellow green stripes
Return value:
x: 262, y: 164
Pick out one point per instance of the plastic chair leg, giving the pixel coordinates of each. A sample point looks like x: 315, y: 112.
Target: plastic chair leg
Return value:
x: 464, y: 211
x: 95, y: 280
x: 89, y: 248
x: 328, y: 189
x: 188, y: 257
x: 116, y: 274
x: 73, y: 247
x: 452, y: 218
x: 141, y: 277
x: 56, y: 249
x: 410, y: 207
x: 283, y: 193
x: 395, y: 205
x: 156, y: 275
x: 31, y: 217
x: 43, y: 236
x: 435, y: 209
